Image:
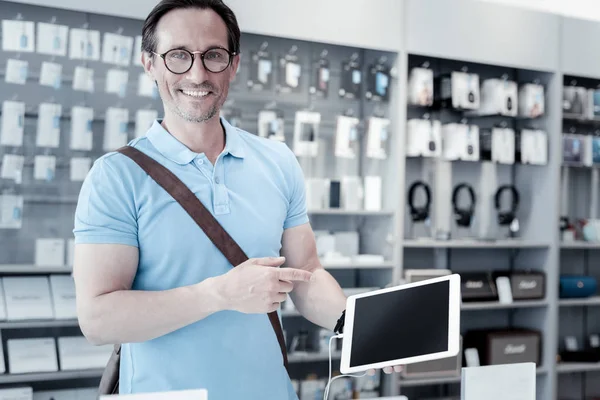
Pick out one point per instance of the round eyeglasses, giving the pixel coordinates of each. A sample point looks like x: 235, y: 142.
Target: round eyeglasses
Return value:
x: 180, y: 61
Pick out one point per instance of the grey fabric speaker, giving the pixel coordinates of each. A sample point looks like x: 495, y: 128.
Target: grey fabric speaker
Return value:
x: 505, y: 346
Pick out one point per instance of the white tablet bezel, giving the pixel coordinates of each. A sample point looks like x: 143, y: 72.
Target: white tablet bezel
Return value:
x: 454, y: 301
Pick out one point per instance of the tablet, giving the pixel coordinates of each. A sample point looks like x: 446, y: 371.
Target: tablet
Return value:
x: 400, y: 325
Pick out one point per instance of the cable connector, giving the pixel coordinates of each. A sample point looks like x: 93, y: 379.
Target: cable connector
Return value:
x: 339, y: 326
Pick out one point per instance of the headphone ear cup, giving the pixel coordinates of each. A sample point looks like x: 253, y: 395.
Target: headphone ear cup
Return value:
x: 505, y: 218
x: 419, y: 214
x: 463, y: 218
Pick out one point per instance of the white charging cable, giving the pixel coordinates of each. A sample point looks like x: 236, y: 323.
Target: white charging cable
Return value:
x: 329, y: 381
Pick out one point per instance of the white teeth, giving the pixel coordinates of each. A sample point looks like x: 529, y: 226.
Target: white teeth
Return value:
x: 194, y: 94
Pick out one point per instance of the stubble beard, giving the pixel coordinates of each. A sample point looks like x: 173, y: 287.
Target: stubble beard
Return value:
x: 195, y: 117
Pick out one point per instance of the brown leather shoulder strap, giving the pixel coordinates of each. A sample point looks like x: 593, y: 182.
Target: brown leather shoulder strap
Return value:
x: 207, y: 222
x: 188, y: 200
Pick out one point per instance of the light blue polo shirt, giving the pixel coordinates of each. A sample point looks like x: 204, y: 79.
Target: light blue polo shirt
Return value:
x: 255, y: 190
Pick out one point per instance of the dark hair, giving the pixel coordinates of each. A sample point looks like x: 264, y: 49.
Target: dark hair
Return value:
x: 149, y: 40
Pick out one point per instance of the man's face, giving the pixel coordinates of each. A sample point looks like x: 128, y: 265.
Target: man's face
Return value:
x: 197, y: 95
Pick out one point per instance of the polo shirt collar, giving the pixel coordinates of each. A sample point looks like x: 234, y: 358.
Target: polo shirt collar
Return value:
x: 179, y: 153
x: 234, y: 144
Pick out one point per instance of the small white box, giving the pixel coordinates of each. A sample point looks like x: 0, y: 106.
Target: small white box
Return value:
x: 534, y: 147
x: 306, y: 133
x: 316, y: 193
x: 2, y: 302
x: 352, y: 193
x: 50, y: 252
x: 531, y: 100
x: 499, y: 97
x: 77, y: 353
x: 503, y: 145
x: 347, y: 243
x: 31, y: 355
x: 461, y: 142
x: 198, y: 394
x: 471, y: 140
x: 312, y: 389
x: 23, y: 393
x: 377, y: 138
x: 420, y: 87
x: 70, y: 252
x: 499, y: 382
x: 463, y: 89
x: 87, y: 394
x: 424, y: 138
x: 27, y: 298
x: 271, y: 125
x: 63, y: 296
x: 373, y: 193
x: 56, y: 395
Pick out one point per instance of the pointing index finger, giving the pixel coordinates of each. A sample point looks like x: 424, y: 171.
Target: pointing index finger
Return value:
x: 293, y: 274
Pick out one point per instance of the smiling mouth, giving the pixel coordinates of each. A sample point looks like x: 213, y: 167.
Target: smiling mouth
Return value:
x: 197, y: 94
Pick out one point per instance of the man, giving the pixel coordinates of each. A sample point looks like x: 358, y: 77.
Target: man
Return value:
x: 146, y: 275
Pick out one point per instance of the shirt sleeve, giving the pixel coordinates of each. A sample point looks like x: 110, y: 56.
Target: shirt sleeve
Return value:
x: 297, y: 213
x: 106, y: 211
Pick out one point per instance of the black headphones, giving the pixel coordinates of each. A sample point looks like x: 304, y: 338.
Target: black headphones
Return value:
x: 506, y: 218
x: 463, y: 215
x: 419, y: 214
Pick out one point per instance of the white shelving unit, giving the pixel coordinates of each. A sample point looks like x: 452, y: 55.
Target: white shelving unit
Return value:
x: 590, y: 301
x: 444, y: 380
x: 539, y: 46
x: 570, y: 368
x: 312, y: 357
x: 580, y: 245
x: 57, y: 323
x: 49, y: 376
x: 473, y: 244
x: 23, y: 269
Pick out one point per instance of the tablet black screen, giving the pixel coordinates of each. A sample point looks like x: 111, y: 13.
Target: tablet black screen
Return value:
x: 400, y: 324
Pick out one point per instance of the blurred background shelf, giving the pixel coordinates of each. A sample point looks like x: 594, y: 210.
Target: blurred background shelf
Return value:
x: 49, y: 376
x: 445, y: 380
x: 566, y: 368
x: 26, y: 269
x: 382, y: 213
x: 32, y: 324
x: 588, y: 301
x: 385, y: 265
x: 500, y: 306
x: 312, y: 357
x: 580, y: 245
x: 474, y: 244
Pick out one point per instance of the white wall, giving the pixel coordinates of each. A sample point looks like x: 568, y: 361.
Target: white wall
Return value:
x: 584, y: 9
x: 372, y: 24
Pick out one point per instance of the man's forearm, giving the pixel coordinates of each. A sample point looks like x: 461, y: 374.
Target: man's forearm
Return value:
x: 128, y: 316
x: 321, y: 301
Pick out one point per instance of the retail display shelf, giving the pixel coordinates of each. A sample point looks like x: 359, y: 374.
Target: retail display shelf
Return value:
x: 580, y: 245
x: 50, y: 376
x: 499, y: 306
x: 49, y: 199
x: 429, y: 381
x: 475, y: 306
x: 27, y: 269
x: 588, y: 301
x: 385, y: 265
x: 444, y: 380
x: 581, y: 119
x: 573, y: 367
x: 311, y: 357
x: 468, y: 244
x: 382, y: 213
x: 53, y: 323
